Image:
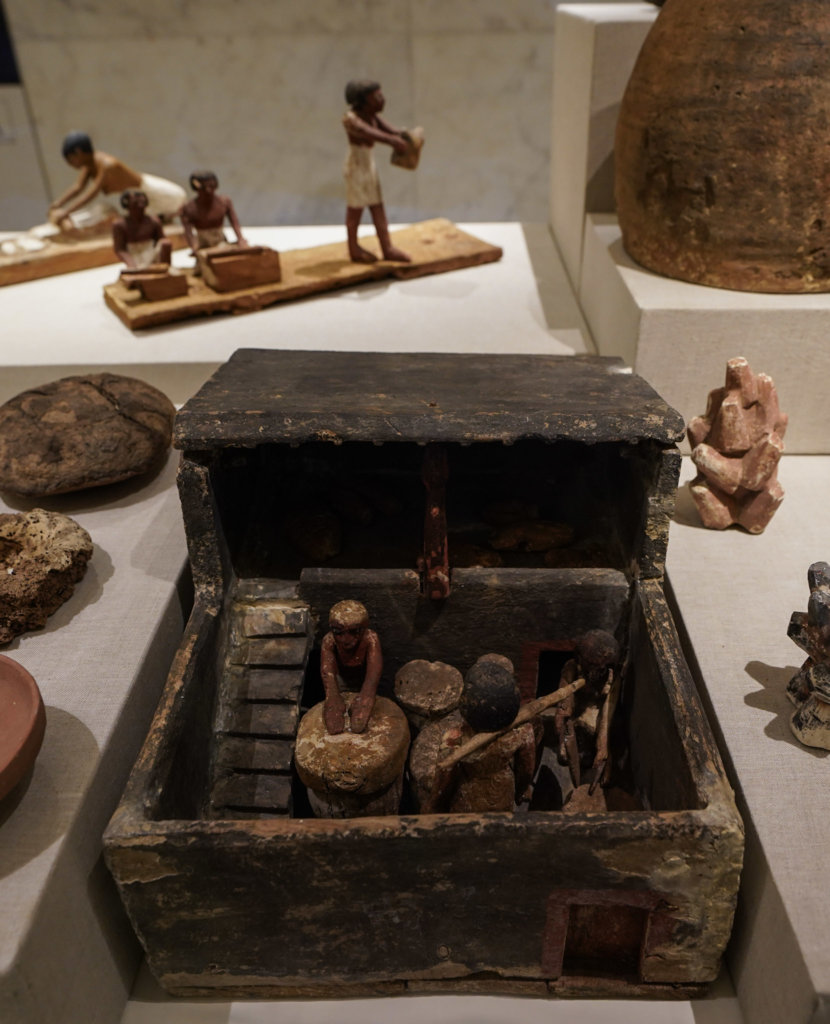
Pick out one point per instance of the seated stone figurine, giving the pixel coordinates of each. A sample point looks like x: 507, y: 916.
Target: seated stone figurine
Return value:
x: 350, y: 659
x: 736, y: 447
x: 138, y: 238
x: 809, y: 688
x: 94, y: 198
x: 204, y: 216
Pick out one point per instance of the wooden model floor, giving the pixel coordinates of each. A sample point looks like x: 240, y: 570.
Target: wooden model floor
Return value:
x: 435, y: 246
x: 65, y: 257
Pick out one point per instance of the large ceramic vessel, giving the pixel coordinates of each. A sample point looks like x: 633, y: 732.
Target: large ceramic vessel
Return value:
x: 722, y: 156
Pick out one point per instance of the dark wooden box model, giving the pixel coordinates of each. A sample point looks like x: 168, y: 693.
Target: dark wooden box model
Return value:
x: 231, y: 884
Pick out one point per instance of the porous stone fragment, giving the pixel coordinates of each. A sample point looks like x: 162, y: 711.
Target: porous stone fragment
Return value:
x: 81, y: 432
x: 42, y: 556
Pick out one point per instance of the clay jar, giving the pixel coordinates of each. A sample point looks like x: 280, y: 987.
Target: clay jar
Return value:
x: 722, y: 162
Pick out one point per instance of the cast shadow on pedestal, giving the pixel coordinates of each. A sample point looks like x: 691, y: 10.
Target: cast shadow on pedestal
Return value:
x: 685, y: 510
x: 87, y: 591
x: 719, y: 1005
x: 120, y: 495
x: 147, y: 994
x: 773, y: 698
x: 24, y: 834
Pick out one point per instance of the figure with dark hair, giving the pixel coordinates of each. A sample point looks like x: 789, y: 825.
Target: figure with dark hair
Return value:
x: 138, y: 238
x: 495, y: 777
x: 583, y: 720
x: 94, y: 197
x: 203, y: 216
x: 364, y: 127
x: 350, y: 659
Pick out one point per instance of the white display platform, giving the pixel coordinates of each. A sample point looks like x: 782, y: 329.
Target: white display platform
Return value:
x: 67, y: 954
x: 523, y: 303
x: 595, y: 48
x: 679, y: 336
x: 734, y: 595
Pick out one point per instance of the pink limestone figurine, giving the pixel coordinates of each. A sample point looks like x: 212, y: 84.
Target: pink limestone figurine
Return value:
x: 736, y: 446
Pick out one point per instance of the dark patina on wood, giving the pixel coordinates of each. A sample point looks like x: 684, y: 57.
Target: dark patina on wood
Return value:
x: 232, y: 886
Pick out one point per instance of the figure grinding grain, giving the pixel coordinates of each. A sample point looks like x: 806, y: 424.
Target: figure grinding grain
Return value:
x: 350, y: 659
x: 138, y: 238
x: 95, y: 196
x: 204, y: 216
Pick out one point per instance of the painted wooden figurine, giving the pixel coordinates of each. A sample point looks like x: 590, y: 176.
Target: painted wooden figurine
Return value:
x: 94, y: 197
x: 736, y: 447
x: 583, y: 720
x: 364, y: 127
x: 351, y: 659
x: 138, y: 238
x: 204, y: 216
x: 491, y: 777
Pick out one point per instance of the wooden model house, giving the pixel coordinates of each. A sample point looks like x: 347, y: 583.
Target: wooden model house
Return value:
x: 231, y: 884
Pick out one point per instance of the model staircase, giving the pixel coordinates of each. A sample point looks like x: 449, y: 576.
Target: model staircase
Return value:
x: 259, y: 703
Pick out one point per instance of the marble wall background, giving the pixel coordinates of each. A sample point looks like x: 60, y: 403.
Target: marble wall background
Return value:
x: 253, y: 89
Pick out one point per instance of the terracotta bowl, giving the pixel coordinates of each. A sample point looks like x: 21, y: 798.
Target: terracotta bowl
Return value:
x: 22, y: 723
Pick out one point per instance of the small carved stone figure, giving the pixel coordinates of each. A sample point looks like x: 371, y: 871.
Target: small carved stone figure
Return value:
x: 204, y: 216
x: 351, y: 659
x: 138, y: 238
x: 86, y: 203
x: 809, y: 688
x: 494, y: 777
x: 583, y: 720
x: 364, y: 127
x: 736, y: 446
x: 811, y: 720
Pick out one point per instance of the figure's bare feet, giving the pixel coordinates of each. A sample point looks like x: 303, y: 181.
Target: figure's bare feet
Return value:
x: 395, y: 254
x: 357, y: 254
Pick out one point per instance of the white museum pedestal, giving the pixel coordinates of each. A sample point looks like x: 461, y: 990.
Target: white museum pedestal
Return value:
x: 679, y: 336
x: 523, y: 303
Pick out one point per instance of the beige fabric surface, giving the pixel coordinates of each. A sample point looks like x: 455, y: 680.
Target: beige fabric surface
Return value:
x: 735, y: 594
x: 67, y: 955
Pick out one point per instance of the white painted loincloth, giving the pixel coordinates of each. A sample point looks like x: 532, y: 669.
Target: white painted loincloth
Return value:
x: 144, y: 253
x: 360, y: 172
x: 207, y: 238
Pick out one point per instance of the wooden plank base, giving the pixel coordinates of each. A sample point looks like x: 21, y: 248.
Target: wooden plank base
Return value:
x: 435, y: 246
x: 66, y: 257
